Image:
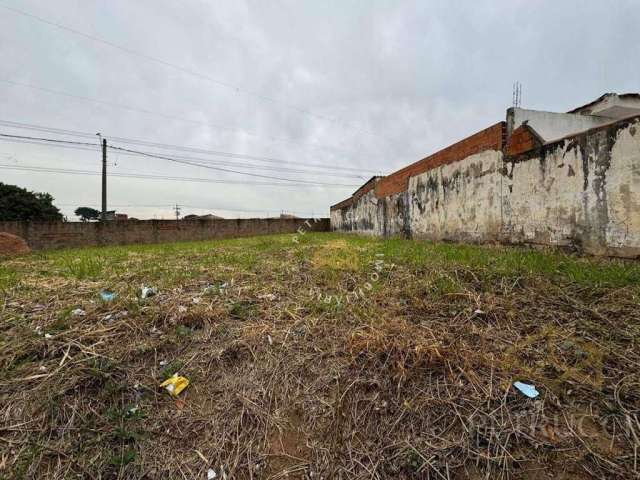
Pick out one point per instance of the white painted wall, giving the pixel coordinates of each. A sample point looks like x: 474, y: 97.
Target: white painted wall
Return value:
x: 459, y: 201
x: 551, y: 125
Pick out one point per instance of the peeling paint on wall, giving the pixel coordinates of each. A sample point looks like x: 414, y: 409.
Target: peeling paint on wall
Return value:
x: 581, y: 192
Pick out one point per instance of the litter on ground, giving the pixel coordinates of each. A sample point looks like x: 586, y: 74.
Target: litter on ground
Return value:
x: 526, y: 389
x: 147, y: 292
x: 108, y: 295
x: 175, y: 384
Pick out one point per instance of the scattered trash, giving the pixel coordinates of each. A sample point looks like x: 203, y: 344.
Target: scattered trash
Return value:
x: 211, y: 474
x: 155, y: 331
x: 147, y: 292
x: 175, y: 384
x: 78, y: 312
x: 108, y: 295
x: 267, y: 296
x: 109, y: 317
x: 42, y: 368
x: 477, y: 311
x: 48, y: 335
x: 182, y: 309
x: 196, y: 300
x: 526, y: 389
x: 270, y: 340
x: 133, y: 410
x: 163, y: 363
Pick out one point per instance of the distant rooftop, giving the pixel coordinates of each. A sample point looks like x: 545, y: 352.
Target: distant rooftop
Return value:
x: 612, y: 105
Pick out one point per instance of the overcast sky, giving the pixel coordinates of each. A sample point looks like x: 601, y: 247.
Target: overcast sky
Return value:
x: 370, y: 86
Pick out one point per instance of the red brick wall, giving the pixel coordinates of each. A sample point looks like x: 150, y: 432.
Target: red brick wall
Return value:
x: 44, y: 235
x: 522, y: 140
x: 491, y: 138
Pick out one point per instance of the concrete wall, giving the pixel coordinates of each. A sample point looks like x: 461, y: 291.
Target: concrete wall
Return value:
x: 460, y: 201
x: 551, y: 125
x: 44, y: 235
x: 582, y: 191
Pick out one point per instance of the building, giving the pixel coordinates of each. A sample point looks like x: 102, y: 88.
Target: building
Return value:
x: 564, y: 179
x: 111, y: 215
x: 202, y: 217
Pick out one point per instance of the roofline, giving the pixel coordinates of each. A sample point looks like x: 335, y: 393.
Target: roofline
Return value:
x: 603, y: 96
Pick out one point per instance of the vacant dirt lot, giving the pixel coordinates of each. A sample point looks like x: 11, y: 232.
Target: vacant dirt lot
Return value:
x: 331, y: 357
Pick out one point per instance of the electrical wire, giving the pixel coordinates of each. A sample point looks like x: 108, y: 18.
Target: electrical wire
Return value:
x: 171, y: 159
x: 197, y: 74
x: 31, y: 168
x: 170, y: 117
x: 165, y: 146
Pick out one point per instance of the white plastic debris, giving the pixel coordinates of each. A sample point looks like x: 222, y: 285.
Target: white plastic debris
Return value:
x: 196, y: 300
x: 477, y: 311
x: 78, y: 312
x: 267, y: 296
x: 147, y: 292
x: 43, y: 368
x: 526, y: 389
x: 211, y: 474
x: 163, y: 363
x: 48, y: 335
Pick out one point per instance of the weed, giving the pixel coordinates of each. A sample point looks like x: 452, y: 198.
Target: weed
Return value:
x: 170, y: 369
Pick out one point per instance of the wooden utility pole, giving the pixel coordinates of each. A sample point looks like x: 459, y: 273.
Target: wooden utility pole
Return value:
x: 104, y: 179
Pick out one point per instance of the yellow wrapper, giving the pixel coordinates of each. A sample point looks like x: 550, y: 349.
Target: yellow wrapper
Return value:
x: 175, y: 384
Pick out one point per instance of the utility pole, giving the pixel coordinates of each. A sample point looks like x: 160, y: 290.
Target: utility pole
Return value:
x: 104, y: 179
x: 177, y: 212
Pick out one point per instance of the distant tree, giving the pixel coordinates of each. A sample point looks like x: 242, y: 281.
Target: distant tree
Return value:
x: 87, y: 213
x: 20, y: 204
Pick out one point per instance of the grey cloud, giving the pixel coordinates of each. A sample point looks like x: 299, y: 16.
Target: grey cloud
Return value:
x: 400, y: 79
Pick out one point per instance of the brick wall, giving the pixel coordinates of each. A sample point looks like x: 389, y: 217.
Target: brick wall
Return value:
x: 491, y: 138
x: 45, y: 235
x: 523, y: 139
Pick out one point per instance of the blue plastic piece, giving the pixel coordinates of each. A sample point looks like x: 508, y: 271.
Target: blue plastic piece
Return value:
x: 526, y: 389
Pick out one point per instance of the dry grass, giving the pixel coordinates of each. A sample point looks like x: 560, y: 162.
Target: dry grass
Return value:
x: 335, y: 357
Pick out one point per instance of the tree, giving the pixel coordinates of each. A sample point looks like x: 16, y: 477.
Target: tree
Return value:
x: 87, y: 213
x: 20, y: 204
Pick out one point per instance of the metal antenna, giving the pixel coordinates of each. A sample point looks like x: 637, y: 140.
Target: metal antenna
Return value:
x: 516, y: 97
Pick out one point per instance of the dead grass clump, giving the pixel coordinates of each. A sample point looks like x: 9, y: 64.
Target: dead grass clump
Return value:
x: 398, y: 346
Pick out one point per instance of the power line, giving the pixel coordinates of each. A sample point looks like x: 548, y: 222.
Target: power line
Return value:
x: 227, y: 170
x: 31, y: 168
x: 185, y: 70
x: 96, y: 148
x: 165, y: 146
x: 171, y: 159
x: 169, y: 117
